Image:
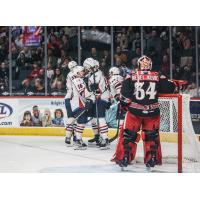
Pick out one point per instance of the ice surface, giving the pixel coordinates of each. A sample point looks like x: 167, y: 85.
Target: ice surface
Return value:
x: 48, y: 154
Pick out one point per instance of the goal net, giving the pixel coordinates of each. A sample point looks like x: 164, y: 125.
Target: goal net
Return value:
x: 179, y: 143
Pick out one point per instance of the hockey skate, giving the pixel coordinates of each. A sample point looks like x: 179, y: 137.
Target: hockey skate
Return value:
x: 74, y: 138
x: 124, y: 162
x: 104, y: 144
x: 80, y: 145
x: 94, y: 141
x: 151, y: 163
x: 68, y: 142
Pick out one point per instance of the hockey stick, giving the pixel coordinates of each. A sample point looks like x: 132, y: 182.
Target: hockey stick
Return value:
x: 76, y: 118
x: 118, y: 124
x: 96, y: 107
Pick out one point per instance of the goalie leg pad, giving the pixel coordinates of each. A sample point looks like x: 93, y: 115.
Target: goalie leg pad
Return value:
x: 152, y: 147
x: 131, y: 139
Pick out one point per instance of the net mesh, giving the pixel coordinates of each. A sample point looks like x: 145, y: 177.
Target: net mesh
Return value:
x: 169, y: 134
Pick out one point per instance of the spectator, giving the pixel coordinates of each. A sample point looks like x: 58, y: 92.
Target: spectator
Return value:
x: 21, y: 63
x: 186, y: 71
x: 4, y: 43
x: 58, y: 118
x: 124, y: 42
x: 177, y: 47
x: 59, y: 89
x: 164, y: 67
x: 137, y: 53
x: 50, y: 71
x: 120, y: 54
x: 27, y: 119
x: 38, y: 88
x: 26, y: 87
x: 136, y: 42
x: 154, y: 42
x: 4, y: 71
x: 118, y: 61
x: 192, y: 90
x: 64, y: 67
x: 134, y: 65
x: 34, y: 73
x: 57, y: 77
x: 37, y: 117
x: 94, y: 54
x: 4, y: 78
x: 175, y: 71
x: 41, y: 74
x: 46, y: 119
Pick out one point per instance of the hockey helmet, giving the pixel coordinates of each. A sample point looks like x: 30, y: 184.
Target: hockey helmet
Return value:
x: 96, y: 62
x: 89, y: 64
x: 144, y: 63
x: 72, y: 64
x: 78, y: 71
x: 114, y: 71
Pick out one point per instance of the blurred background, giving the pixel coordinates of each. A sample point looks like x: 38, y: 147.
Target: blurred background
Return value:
x: 34, y: 59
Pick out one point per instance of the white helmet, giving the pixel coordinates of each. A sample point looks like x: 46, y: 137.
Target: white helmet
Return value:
x: 147, y: 65
x: 72, y: 64
x: 77, y: 69
x: 89, y: 63
x: 96, y: 62
x: 114, y: 71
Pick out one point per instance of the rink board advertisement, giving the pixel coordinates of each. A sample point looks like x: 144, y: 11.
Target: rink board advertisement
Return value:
x: 195, y: 115
x: 9, y: 112
x: 12, y: 110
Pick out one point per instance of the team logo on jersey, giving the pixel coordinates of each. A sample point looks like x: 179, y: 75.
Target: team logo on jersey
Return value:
x: 5, y: 110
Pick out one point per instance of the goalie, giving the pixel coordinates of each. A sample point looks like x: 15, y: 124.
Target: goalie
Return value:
x: 139, y: 96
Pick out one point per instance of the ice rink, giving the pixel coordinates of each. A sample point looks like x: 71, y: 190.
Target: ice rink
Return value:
x: 48, y: 154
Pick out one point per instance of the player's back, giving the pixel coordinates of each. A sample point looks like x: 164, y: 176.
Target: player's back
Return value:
x: 141, y: 88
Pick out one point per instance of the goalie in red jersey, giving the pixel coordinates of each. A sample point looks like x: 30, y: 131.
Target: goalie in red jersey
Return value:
x: 139, y: 96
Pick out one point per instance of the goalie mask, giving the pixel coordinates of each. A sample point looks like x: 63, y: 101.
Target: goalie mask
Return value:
x: 144, y: 63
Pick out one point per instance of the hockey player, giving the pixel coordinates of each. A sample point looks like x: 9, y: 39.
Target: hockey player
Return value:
x: 76, y: 104
x: 115, y: 84
x: 69, y: 127
x: 139, y: 95
x: 97, y: 84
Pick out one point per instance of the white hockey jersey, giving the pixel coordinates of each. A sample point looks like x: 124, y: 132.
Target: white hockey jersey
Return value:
x: 115, y: 83
x: 100, y: 79
x: 78, y: 93
x: 70, y: 78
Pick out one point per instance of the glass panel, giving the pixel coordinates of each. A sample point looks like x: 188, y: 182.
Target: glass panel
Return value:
x: 28, y: 60
x: 4, y: 61
x: 184, y: 59
x: 156, y: 46
x: 127, y: 48
x: 96, y: 43
x: 62, y: 48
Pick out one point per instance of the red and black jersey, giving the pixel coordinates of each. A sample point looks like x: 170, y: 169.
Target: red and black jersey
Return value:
x: 140, y: 90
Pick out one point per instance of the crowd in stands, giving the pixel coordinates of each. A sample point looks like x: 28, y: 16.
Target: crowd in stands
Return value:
x: 28, y: 63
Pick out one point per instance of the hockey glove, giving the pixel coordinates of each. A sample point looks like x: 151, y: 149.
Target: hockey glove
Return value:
x: 94, y: 87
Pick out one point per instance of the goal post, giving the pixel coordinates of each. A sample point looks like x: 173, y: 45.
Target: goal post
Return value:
x: 176, y: 121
